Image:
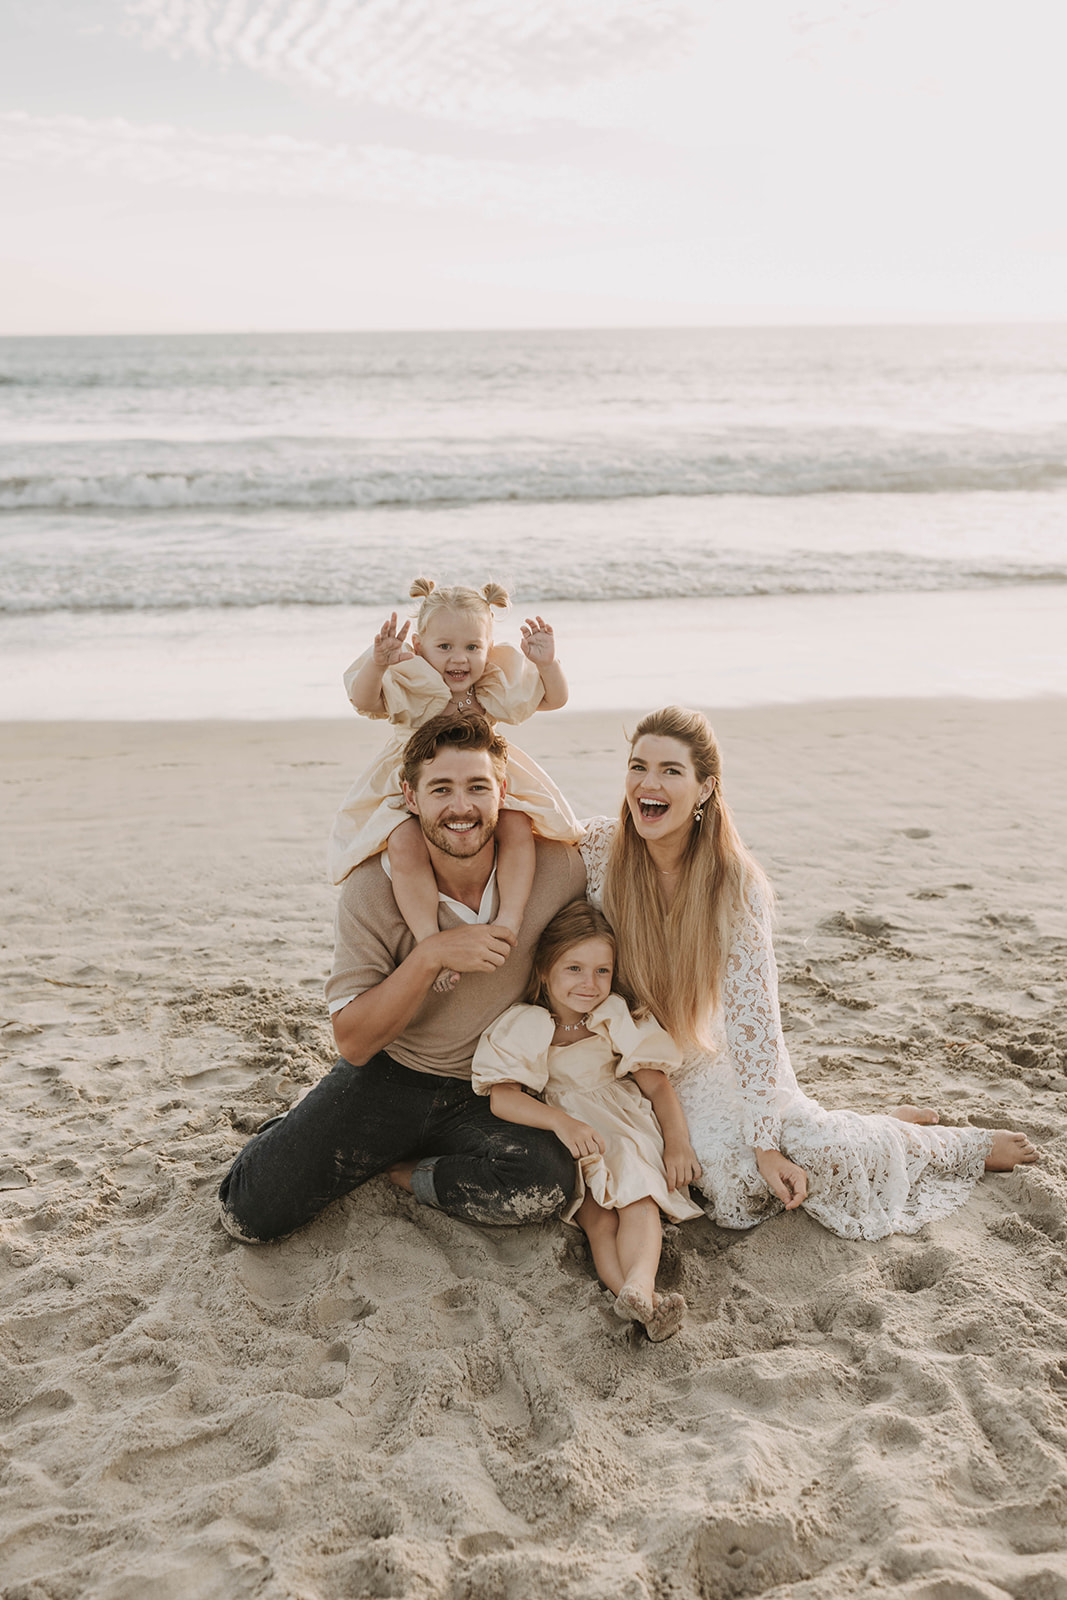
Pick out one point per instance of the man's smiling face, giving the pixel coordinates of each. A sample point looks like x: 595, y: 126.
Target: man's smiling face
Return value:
x: 457, y: 800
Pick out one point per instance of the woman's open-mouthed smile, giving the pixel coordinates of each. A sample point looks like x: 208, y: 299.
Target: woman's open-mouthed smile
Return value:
x: 662, y: 789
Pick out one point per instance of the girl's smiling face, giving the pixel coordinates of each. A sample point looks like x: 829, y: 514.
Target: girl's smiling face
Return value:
x: 580, y: 979
x: 456, y: 644
x: 662, y: 788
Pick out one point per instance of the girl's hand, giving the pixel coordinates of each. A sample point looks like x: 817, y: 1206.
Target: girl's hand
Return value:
x: 783, y: 1177
x: 538, y: 641
x: 389, y: 645
x: 682, y: 1165
x: 579, y: 1137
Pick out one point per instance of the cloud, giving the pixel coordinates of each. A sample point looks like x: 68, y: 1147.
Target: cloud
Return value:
x: 284, y: 167
x: 477, y: 60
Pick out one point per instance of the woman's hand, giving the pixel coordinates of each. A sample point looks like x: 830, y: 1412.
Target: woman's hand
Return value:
x: 389, y: 645
x: 681, y: 1163
x: 783, y: 1178
x: 538, y: 641
x: 579, y: 1137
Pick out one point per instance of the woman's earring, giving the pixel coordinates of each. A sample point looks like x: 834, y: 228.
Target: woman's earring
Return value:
x: 698, y: 816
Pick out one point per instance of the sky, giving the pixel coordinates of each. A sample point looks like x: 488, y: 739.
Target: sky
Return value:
x: 198, y: 165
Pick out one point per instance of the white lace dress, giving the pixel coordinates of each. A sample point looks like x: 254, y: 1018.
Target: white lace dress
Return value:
x: 868, y: 1175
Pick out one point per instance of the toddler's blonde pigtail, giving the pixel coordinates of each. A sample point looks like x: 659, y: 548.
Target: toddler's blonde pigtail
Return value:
x: 456, y: 597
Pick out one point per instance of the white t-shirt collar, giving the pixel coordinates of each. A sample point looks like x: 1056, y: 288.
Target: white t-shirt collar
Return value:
x: 484, y: 912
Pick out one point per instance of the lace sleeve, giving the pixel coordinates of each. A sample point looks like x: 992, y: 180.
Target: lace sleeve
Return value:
x: 753, y: 1024
x: 595, y: 847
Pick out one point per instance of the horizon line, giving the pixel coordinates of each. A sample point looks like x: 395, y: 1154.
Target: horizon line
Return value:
x: 922, y: 321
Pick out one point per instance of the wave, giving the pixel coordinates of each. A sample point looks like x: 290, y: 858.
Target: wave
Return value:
x: 453, y: 474
x: 215, y: 586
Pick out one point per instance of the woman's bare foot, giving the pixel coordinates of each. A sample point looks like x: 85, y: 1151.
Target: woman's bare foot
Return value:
x: 1010, y: 1150
x: 633, y: 1305
x: 914, y: 1114
x: 667, y: 1317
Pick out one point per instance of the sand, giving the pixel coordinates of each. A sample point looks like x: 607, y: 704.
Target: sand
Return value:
x: 396, y: 1404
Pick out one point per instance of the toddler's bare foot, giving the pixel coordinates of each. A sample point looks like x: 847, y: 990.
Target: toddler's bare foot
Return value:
x: 1010, y: 1150
x: 667, y: 1317
x: 914, y: 1114
x: 445, y: 981
x: 634, y: 1306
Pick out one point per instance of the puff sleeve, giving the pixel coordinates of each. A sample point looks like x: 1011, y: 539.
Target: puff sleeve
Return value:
x: 514, y: 1050
x: 413, y: 692
x: 637, y: 1043
x: 510, y: 688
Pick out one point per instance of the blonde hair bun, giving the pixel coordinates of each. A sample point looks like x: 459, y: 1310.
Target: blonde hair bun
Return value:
x: 457, y: 597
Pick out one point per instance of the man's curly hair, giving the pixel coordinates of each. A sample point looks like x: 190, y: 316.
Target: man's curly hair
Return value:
x: 466, y: 733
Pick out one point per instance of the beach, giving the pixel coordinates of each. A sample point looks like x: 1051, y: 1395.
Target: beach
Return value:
x: 393, y: 1403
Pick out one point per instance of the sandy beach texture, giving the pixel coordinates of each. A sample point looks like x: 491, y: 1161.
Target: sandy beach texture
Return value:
x: 395, y: 1404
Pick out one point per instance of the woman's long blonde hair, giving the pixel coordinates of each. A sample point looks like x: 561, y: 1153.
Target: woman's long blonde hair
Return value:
x: 674, y: 961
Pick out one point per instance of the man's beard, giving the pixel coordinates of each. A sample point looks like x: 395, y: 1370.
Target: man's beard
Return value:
x: 459, y: 845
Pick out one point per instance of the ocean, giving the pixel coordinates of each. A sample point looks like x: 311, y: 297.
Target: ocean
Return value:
x: 215, y: 525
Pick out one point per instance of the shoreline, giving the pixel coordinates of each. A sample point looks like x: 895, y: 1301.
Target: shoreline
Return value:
x: 391, y: 1401
x: 283, y: 663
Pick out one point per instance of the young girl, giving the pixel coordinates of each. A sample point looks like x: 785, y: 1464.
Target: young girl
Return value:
x: 606, y: 1096
x: 452, y: 664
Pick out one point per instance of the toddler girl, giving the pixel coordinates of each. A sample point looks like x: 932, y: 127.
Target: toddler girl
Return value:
x: 452, y: 664
x: 601, y: 1073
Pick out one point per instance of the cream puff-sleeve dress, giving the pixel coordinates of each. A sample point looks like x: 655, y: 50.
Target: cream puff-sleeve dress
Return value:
x: 590, y: 1079
x: 869, y: 1175
x: 510, y: 690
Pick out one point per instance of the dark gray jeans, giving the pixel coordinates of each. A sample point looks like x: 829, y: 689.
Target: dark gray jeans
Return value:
x: 360, y: 1120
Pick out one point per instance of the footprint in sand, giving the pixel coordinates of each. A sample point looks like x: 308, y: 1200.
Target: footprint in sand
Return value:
x: 918, y: 1269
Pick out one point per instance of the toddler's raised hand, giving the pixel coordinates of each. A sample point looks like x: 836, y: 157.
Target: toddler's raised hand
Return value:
x: 389, y: 645
x: 538, y: 641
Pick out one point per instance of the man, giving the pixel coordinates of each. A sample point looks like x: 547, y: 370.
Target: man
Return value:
x: 400, y: 1099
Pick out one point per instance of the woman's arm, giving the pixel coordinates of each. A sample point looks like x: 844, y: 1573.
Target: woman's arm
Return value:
x: 595, y: 850
x: 753, y: 1025
x: 679, y: 1157
x: 539, y: 646
x: 510, y: 1103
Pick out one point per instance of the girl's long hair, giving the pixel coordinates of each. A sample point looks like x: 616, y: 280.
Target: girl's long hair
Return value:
x: 675, y: 961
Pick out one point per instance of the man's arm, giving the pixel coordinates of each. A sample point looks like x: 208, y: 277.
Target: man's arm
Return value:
x: 381, y: 1013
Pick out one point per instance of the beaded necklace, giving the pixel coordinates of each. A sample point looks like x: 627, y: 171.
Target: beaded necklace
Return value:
x: 571, y: 1027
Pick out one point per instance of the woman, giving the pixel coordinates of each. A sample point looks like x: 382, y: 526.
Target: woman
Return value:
x: 691, y: 911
